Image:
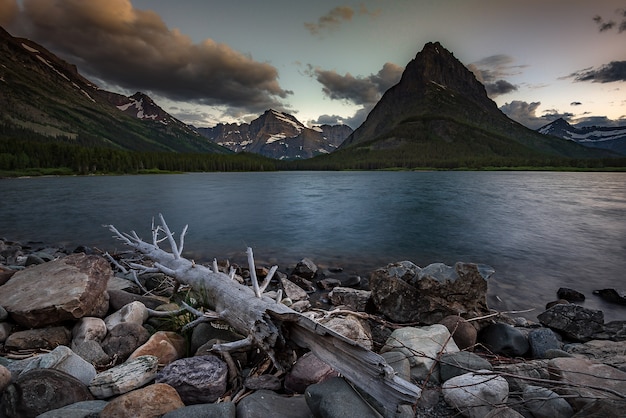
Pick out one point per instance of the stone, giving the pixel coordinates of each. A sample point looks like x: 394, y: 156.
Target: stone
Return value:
x: 586, y: 380
x: 4, y: 315
x: 200, y: 379
x: 124, y: 378
x: 134, y: 313
x: 611, y: 295
x: 303, y: 283
x: 541, y: 340
x: 5, y: 331
x: 217, y: 410
x: 292, y: 290
x: 119, y: 298
x: 570, y: 295
x: 64, y: 359
x: 353, y: 299
x: 149, y: 402
x: 335, y: 398
x: 573, y: 321
x: 65, y: 289
x: 307, y: 370
x: 83, y: 409
x: 89, y: 329
x: 125, y: 338
x: 463, y: 332
x: 41, y: 390
x: 405, y: 293
x: 520, y: 375
x: 268, y: 404
x: 306, y: 269
x: 167, y: 346
x: 503, y: 412
x: 40, y: 338
x: 5, y: 378
x: 350, y: 327
x: 328, y: 283
x: 475, y: 394
x: 456, y: 364
x: 92, y: 352
x: 544, y: 403
x: 399, y: 363
x: 612, y: 353
x: 264, y: 381
x: 602, y: 408
x: 503, y: 339
x: 421, y: 346
x: 214, y: 330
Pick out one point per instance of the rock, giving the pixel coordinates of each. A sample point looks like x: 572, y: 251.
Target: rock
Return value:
x: 303, y: 283
x: 124, y: 377
x: 581, y: 375
x: 41, y: 338
x: 544, y: 403
x: 167, y: 346
x: 5, y: 378
x: 541, y: 340
x: 335, y: 398
x: 351, y: 327
x: 611, y: 295
x: 83, y: 409
x: 218, y: 410
x: 328, y: 283
x: 214, y: 330
x: 573, y: 321
x: 520, y: 375
x: 133, y: 313
x: 570, y: 295
x: 614, y: 330
x: 267, y: 404
x: 92, y: 352
x: 456, y: 364
x: 149, y: 402
x: 405, y: 293
x: 475, y: 394
x: 65, y: 289
x: 353, y: 299
x: 125, y: 338
x: 292, y: 290
x: 264, y: 381
x: 556, y: 302
x: 200, y: 379
x: 504, y: 339
x: 602, y: 408
x: 305, y: 268
x: 463, y: 333
x: 89, y: 329
x: 612, y: 353
x: 119, y: 298
x: 399, y: 363
x: 503, y: 412
x: 4, y: 315
x: 421, y: 346
x: 5, y: 331
x: 307, y: 370
x: 41, y: 390
x: 64, y: 359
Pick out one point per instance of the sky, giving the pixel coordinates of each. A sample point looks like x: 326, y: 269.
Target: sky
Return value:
x: 224, y: 61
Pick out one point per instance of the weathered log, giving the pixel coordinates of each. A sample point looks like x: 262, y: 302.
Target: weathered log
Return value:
x: 270, y: 326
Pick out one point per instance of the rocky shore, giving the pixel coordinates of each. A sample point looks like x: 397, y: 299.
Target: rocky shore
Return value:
x: 82, y: 335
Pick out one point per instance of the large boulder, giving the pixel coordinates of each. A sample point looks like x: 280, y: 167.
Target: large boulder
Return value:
x: 65, y: 289
x: 405, y: 293
x: 573, y: 321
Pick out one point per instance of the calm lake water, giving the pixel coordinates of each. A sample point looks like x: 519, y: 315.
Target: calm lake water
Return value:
x: 538, y: 230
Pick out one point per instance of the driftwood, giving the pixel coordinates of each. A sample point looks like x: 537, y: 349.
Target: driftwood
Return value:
x: 272, y: 326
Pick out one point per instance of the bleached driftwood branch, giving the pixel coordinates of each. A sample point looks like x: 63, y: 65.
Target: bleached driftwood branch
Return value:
x: 268, y: 324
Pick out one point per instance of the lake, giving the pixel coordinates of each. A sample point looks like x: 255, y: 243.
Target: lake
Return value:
x: 538, y: 230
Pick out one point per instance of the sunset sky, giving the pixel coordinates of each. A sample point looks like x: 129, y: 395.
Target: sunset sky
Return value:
x: 210, y: 61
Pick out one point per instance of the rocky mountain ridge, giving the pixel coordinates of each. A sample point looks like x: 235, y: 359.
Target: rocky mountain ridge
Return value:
x: 611, y: 138
x: 278, y: 135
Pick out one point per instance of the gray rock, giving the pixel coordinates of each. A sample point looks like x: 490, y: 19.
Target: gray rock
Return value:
x: 125, y: 338
x: 264, y: 381
x: 120, y: 298
x: 612, y: 353
x: 305, y: 268
x: 544, y: 403
x: 39, y: 338
x: 4, y: 315
x: 504, y: 339
x: 207, y: 410
x: 542, y: 340
x: 351, y: 327
x: 475, y: 394
x: 200, y: 379
x: 64, y: 359
x: 456, y: 364
x: 504, y: 412
x: 268, y: 404
x: 520, y: 375
x: 399, y: 363
x: 41, y: 390
x: 65, y: 289
x: 602, y: 408
x: 570, y: 295
x: 124, y: 377
x: 84, y: 409
x: 134, y: 312
x: 354, y: 299
x: 334, y: 398
x: 5, y: 331
x: 5, y: 378
x: 574, y: 322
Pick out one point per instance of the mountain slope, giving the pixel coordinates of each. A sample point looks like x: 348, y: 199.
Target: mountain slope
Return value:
x: 278, y: 135
x: 440, y: 111
x: 44, y: 97
x: 609, y: 138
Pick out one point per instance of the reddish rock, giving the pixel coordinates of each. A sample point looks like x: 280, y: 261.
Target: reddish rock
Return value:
x: 167, y: 346
x: 463, y: 333
x: 41, y: 338
x: 149, y: 402
x: 307, y: 370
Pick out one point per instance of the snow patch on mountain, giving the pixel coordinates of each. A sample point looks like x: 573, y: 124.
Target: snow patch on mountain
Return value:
x: 612, y: 138
x: 138, y: 104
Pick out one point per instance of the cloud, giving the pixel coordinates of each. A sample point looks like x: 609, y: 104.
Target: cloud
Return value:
x: 575, y: 104
x: 337, y: 16
x: 134, y: 49
x: 613, y: 71
x: 525, y: 113
x: 604, y: 26
x: 490, y: 71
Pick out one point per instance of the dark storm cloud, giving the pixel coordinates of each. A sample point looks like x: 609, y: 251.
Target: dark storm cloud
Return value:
x: 353, y: 121
x: 604, y: 25
x: 575, y: 104
x: 490, y: 71
x: 613, y: 71
x: 337, y: 16
x: 134, y: 49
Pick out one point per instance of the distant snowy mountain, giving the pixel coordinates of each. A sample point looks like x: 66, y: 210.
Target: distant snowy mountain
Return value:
x: 610, y: 138
x: 278, y: 135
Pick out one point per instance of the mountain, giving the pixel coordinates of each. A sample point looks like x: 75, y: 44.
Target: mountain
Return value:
x: 610, y: 138
x: 45, y: 98
x: 278, y: 135
x: 439, y: 111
